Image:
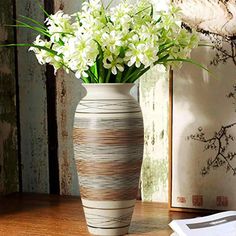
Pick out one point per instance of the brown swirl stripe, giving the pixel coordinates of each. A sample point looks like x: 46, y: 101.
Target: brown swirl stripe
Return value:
x: 108, y: 168
x: 111, y: 194
x: 113, y: 137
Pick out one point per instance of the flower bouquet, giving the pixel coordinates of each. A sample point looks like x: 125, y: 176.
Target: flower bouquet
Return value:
x: 103, y: 44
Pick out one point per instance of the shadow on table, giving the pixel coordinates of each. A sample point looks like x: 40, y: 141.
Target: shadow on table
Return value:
x: 148, y: 225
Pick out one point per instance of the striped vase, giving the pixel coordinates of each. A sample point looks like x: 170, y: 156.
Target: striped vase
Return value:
x: 108, y: 143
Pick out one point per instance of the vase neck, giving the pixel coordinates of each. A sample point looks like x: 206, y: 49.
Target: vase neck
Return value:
x: 108, y: 91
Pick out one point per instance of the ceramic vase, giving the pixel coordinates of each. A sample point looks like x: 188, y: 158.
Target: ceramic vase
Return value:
x: 108, y: 144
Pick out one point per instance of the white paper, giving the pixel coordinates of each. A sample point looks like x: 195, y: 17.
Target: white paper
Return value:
x: 220, y: 224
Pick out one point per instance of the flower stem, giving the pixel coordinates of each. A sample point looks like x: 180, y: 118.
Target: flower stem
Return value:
x: 108, y: 76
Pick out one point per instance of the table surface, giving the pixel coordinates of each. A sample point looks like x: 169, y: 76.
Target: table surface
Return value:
x: 50, y: 215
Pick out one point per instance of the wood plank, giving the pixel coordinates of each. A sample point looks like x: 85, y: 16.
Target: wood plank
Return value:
x: 68, y: 96
x: 38, y: 215
x: 8, y: 116
x: 154, y: 103
x: 33, y: 107
x: 68, y: 91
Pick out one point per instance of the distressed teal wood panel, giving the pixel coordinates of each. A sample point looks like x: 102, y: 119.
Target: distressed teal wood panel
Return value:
x: 33, y: 107
x: 8, y: 133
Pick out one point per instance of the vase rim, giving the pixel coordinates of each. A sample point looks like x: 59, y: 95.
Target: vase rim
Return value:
x: 93, y: 84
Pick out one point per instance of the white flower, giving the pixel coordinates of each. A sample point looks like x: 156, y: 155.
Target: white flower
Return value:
x: 45, y: 56
x: 112, y: 41
x: 58, y: 24
x: 92, y: 6
x: 79, y: 74
x: 122, y: 14
x: 113, y: 63
x: 134, y: 55
x: 149, y: 32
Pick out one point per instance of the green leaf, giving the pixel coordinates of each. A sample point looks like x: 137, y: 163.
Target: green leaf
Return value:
x: 164, y: 47
x: 140, y: 74
x: 143, y: 10
x: 94, y: 70
x: 40, y: 30
x: 34, y: 21
x: 99, y: 61
x: 118, y: 77
x: 85, y: 80
x: 128, y: 71
x: 93, y: 77
x: 33, y: 45
x: 133, y: 75
x: 161, y: 59
x: 189, y: 61
x: 206, y: 45
x: 25, y: 26
x: 43, y: 10
x: 151, y: 13
x: 122, y: 52
x: 109, y: 4
x: 158, y: 20
x: 108, y: 76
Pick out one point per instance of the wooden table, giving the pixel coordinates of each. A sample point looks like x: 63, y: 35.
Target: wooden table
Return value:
x: 49, y: 215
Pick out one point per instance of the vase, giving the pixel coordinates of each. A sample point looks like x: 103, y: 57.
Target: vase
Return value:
x: 108, y: 144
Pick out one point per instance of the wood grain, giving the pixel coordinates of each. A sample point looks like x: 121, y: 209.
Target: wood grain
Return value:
x: 68, y: 92
x: 33, y: 107
x: 170, y: 129
x: 8, y: 111
x: 37, y: 215
x: 154, y: 103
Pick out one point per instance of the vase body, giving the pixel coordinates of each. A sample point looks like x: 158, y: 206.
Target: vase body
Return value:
x: 108, y: 143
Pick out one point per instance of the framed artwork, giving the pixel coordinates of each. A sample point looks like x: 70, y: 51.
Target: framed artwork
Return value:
x: 203, y: 116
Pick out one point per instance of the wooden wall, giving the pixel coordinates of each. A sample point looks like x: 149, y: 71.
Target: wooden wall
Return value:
x: 45, y: 106
x: 8, y: 110
x: 33, y: 107
x: 43, y: 159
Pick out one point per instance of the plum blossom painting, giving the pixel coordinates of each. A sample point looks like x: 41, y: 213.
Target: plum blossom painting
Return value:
x: 203, y: 159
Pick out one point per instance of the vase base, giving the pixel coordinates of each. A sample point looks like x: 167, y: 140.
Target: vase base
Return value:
x: 108, y: 218
x: 108, y: 232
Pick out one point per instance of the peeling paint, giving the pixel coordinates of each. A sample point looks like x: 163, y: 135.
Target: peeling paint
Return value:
x: 154, y: 179
x: 68, y: 96
x: 33, y: 107
x: 154, y: 103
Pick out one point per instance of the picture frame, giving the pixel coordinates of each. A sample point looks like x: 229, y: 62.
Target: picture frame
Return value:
x: 202, y: 124
x: 202, y: 136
